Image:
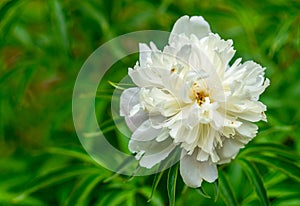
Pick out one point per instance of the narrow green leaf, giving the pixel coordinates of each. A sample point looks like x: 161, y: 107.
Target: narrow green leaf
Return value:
x: 131, y: 200
x: 226, y: 191
x: 115, y: 198
x: 171, y: 184
x: 156, y: 180
x: 202, y: 192
x: 282, y: 164
x: 80, y: 195
x: 156, y: 199
x: 216, y: 190
x: 60, y: 23
x: 291, y: 200
x: 57, y: 176
x: 269, y: 148
x: 282, y: 36
x: 257, y: 181
x: 9, y: 13
x: 6, y: 7
x: 6, y: 76
x: 8, y: 198
x: 74, y: 153
x: 98, y: 17
x: 162, y: 167
x: 120, y: 86
x: 127, y: 161
x: 23, y: 36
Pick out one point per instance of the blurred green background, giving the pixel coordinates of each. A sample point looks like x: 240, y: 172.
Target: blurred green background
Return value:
x: 43, y: 45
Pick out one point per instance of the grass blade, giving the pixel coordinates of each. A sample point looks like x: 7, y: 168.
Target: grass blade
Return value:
x: 269, y: 148
x: 171, y: 184
x: 57, y: 176
x: 226, y: 191
x: 257, y: 181
x: 216, y: 189
x: 284, y: 165
x: 156, y: 180
x: 60, y: 23
x: 201, y: 191
x: 81, y: 193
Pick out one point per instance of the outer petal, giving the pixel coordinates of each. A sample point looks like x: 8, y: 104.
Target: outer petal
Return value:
x: 151, y: 152
x: 195, y: 25
x: 129, y: 99
x: 145, y: 132
x: 193, y: 172
x: 145, y: 54
x: 229, y: 150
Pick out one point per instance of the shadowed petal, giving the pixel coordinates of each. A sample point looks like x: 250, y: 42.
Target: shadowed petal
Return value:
x: 194, y: 172
x: 128, y: 100
x: 151, y: 152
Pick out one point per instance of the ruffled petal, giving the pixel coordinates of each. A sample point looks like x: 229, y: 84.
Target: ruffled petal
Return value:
x: 145, y: 132
x: 193, y: 172
x: 152, y: 152
x: 195, y: 25
x: 128, y: 100
x: 229, y: 150
x: 145, y: 54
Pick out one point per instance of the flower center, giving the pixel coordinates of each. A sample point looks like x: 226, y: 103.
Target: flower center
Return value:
x: 200, y: 97
x: 199, y: 94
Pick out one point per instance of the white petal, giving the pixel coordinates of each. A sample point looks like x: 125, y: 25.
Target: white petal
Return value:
x: 202, y: 156
x: 128, y: 100
x: 195, y: 25
x: 247, y: 129
x: 153, y: 152
x: 229, y: 150
x: 149, y: 161
x: 145, y: 132
x: 145, y: 54
x: 163, y: 135
x: 193, y: 172
x: 184, y: 54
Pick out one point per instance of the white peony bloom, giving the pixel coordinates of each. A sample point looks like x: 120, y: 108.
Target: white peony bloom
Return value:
x: 188, y: 96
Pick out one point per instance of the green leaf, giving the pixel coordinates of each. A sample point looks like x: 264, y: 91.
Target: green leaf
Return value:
x: 127, y: 161
x: 146, y: 192
x: 162, y: 167
x: 282, y: 164
x: 60, y: 23
x: 120, y: 86
x: 7, y: 198
x: 115, y: 198
x: 226, y: 191
x: 269, y: 148
x: 257, y: 181
x: 6, y: 7
x: 292, y: 200
x: 80, y: 194
x: 171, y: 184
x: 156, y: 180
x: 74, y: 153
x: 9, y: 14
x: 98, y: 17
x: 202, y: 192
x: 58, y: 176
x: 216, y: 190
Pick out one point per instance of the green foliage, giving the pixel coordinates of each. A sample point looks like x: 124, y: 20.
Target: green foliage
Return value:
x: 257, y: 181
x: 171, y: 184
x: 43, y: 45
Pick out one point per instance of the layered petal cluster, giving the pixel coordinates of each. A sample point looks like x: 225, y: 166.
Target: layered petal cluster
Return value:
x: 188, y: 96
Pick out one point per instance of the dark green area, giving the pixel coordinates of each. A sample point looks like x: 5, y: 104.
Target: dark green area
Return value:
x: 43, y: 45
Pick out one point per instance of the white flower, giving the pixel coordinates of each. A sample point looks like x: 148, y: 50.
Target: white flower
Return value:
x: 188, y: 96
